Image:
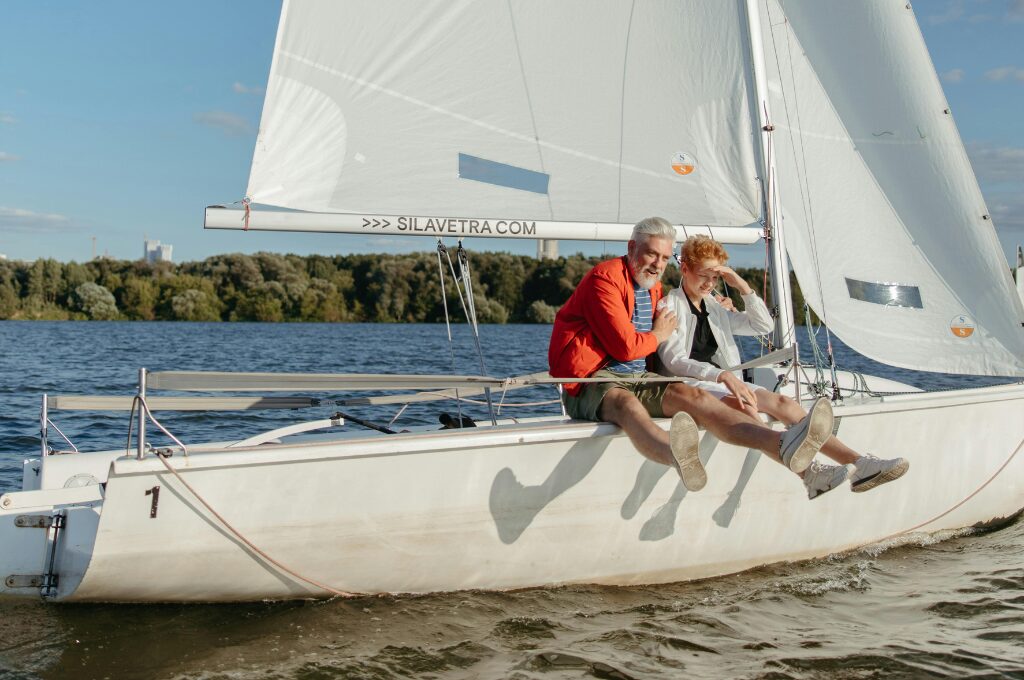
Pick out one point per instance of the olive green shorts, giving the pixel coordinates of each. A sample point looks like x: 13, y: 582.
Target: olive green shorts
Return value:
x: 587, y: 402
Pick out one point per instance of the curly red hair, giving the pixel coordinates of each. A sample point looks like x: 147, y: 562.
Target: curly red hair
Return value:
x: 696, y: 249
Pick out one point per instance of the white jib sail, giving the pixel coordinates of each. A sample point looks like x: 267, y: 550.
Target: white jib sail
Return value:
x: 885, y: 224
x: 574, y: 111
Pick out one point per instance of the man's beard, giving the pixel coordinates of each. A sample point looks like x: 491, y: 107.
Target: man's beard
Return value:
x: 644, y: 280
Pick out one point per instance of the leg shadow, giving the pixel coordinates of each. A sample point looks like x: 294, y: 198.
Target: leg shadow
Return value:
x: 514, y: 506
x: 725, y: 512
x: 662, y: 523
x: 648, y: 475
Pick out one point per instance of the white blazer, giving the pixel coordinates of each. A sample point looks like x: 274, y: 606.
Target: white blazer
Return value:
x: 674, y: 354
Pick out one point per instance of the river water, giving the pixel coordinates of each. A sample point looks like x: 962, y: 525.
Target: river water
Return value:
x: 925, y: 608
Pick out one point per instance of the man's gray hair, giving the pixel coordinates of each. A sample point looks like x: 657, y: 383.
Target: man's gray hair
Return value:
x: 653, y: 226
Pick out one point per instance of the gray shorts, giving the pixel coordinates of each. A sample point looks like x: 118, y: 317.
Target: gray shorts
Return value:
x: 586, y: 404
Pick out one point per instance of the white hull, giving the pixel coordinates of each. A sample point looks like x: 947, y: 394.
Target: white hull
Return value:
x: 540, y: 503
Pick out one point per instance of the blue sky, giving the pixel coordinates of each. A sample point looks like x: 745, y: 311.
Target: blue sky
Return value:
x: 120, y: 118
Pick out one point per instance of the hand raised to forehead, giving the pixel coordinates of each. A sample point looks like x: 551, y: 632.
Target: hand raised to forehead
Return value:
x: 731, y: 278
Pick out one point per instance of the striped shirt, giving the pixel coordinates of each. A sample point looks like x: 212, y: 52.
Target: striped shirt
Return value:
x: 643, y: 320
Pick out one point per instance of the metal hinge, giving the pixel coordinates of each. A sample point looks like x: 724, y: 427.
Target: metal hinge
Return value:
x: 46, y: 583
x: 39, y: 521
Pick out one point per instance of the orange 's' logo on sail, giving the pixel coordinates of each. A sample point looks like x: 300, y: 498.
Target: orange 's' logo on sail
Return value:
x: 962, y: 326
x: 683, y: 163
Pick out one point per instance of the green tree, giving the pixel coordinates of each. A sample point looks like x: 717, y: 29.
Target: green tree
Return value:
x: 96, y: 301
x: 194, y: 305
x: 265, y: 303
x: 540, y: 312
x: 139, y: 298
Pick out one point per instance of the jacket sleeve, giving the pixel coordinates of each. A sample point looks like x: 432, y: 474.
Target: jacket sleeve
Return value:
x: 754, y: 320
x: 608, y: 318
x: 675, y: 352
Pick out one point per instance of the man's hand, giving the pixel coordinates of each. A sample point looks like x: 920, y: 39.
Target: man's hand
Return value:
x: 725, y: 302
x: 732, y: 278
x: 739, y: 389
x: 665, y: 322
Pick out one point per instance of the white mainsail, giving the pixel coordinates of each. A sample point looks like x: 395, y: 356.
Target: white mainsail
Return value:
x: 519, y: 110
x: 512, y: 110
x: 885, y: 224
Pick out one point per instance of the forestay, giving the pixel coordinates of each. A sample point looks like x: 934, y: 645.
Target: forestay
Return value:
x: 885, y: 223
x: 511, y: 110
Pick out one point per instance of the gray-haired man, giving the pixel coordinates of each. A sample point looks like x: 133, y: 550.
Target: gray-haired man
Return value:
x: 610, y: 326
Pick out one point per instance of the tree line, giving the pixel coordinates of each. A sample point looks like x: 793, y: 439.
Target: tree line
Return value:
x: 272, y: 287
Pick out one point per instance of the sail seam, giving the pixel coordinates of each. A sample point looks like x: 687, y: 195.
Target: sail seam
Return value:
x: 529, y: 101
x: 622, y: 112
x: 472, y: 121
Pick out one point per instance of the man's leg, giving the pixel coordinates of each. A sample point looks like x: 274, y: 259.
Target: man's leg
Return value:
x: 621, y: 407
x: 868, y: 472
x: 727, y: 424
x: 794, y: 448
x: 787, y: 411
x: 676, y: 448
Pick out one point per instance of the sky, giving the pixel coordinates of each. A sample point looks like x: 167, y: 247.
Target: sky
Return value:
x: 121, y: 119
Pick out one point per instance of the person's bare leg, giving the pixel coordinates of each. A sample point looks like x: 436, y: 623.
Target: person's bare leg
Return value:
x: 622, y: 408
x: 788, y: 411
x: 727, y: 424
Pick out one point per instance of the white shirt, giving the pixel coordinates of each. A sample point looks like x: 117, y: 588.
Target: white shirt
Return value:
x: 674, y: 354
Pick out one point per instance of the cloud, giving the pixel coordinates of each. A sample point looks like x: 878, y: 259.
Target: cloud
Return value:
x: 954, y: 76
x: 19, y: 219
x: 239, y: 88
x: 8, y: 157
x: 229, y: 124
x: 1005, y: 72
x: 7, y: 119
x: 1007, y: 209
x: 954, y: 11
x: 997, y: 163
x: 962, y: 10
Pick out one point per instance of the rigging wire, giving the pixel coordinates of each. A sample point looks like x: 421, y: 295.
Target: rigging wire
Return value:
x: 447, y: 323
x: 806, y: 204
x: 467, y: 284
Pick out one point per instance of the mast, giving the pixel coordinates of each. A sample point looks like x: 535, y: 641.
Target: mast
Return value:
x: 782, y: 296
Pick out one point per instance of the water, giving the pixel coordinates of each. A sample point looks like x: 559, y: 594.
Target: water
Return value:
x: 949, y: 608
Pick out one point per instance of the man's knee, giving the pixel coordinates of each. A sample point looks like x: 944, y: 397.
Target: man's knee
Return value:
x: 685, y: 396
x: 618, y: 402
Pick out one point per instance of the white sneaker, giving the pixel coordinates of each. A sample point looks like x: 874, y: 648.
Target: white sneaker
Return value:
x: 803, y: 440
x: 872, y: 472
x: 683, y: 438
x: 819, y: 479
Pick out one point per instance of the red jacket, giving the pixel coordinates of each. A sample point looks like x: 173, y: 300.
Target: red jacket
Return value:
x: 596, y: 324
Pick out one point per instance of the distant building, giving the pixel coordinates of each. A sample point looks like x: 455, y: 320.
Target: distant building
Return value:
x: 547, y: 249
x: 154, y: 251
x: 2, y: 256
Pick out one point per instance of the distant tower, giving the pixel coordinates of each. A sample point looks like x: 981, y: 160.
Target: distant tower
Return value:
x: 94, y: 247
x: 547, y: 249
x: 154, y: 251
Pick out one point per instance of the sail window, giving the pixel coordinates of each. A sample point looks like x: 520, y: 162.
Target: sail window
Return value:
x: 888, y: 294
x: 493, y: 172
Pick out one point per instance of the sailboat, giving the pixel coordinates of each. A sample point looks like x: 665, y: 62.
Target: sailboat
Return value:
x: 817, y: 127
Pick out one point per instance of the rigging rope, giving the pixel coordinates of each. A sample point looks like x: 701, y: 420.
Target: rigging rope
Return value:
x: 806, y: 204
x: 447, y: 322
x: 162, y: 456
x: 467, y: 283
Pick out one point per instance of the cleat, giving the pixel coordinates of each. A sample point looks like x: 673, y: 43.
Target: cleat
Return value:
x: 871, y: 472
x: 819, y: 479
x: 683, y: 438
x: 803, y: 440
